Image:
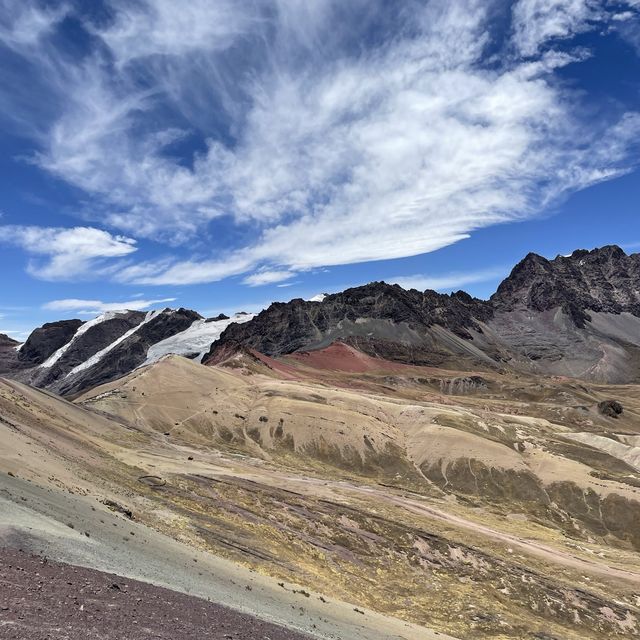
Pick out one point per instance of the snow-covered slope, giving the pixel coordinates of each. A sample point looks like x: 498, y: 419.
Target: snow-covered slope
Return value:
x: 102, y: 349
x: 110, y: 346
x: 81, y: 330
x: 96, y: 357
x: 196, y: 339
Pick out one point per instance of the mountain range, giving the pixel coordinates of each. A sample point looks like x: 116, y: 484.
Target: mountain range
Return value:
x: 575, y: 316
x: 371, y: 464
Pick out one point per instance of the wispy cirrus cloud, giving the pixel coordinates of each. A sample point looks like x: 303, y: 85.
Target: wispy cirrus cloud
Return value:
x: 263, y: 277
x: 536, y: 23
x: 23, y: 24
x: 322, y: 144
x: 67, y: 253
x: 93, y: 307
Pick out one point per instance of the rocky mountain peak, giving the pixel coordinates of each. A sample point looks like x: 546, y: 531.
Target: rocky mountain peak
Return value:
x: 604, y: 279
x: 381, y: 319
x: 371, y: 315
x: 608, y: 252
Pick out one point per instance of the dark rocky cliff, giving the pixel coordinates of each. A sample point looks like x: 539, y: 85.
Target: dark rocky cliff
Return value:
x: 8, y: 355
x: 130, y: 353
x: 562, y: 316
x: 92, y: 353
x: 287, y: 327
x: 604, y: 280
x: 47, y: 339
x: 6, y: 341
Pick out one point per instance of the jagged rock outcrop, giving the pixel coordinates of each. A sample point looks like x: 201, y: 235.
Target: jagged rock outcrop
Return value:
x: 378, y: 318
x: 576, y: 315
x: 603, y: 280
x: 610, y: 408
x: 463, y: 385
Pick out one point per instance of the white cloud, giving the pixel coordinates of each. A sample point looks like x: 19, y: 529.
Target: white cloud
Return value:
x: 268, y: 277
x: 536, y: 23
x: 188, y: 272
x: 93, y: 307
x: 449, y: 281
x: 628, y: 26
x: 322, y: 154
x: 67, y: 254
x: 23, y: 24
x: 163, y: 28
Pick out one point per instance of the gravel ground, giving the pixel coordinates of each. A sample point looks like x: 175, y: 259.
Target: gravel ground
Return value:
x: 45, y: 600
x: 81, y: 531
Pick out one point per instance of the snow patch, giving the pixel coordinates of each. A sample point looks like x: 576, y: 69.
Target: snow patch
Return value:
x: 196, y: 339
x: 53, y: 358
x: 96, y: 357
x: 318, y: 297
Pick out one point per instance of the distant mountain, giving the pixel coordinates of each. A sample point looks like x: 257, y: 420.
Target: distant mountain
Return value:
x: 70, y: 355
x: 47, y: 339
x: 381, y: 319
x: 577, y: 316
x: 8, y: 354
x: 604, y: 280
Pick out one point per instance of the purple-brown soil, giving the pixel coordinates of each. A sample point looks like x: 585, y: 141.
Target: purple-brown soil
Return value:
x: 45, y: 600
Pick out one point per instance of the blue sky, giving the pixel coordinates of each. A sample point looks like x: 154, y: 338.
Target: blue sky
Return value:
x: 222, y: 154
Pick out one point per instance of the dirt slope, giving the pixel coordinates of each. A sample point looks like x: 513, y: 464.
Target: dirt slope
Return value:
x: 457, y: 502
x: 373, y: 483
x: 43, y: 599
x: 66, y: 480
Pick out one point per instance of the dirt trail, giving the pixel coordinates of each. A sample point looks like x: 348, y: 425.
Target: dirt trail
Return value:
x: 551, y: 554
x: 538, y: 549
x: 556, y: 556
